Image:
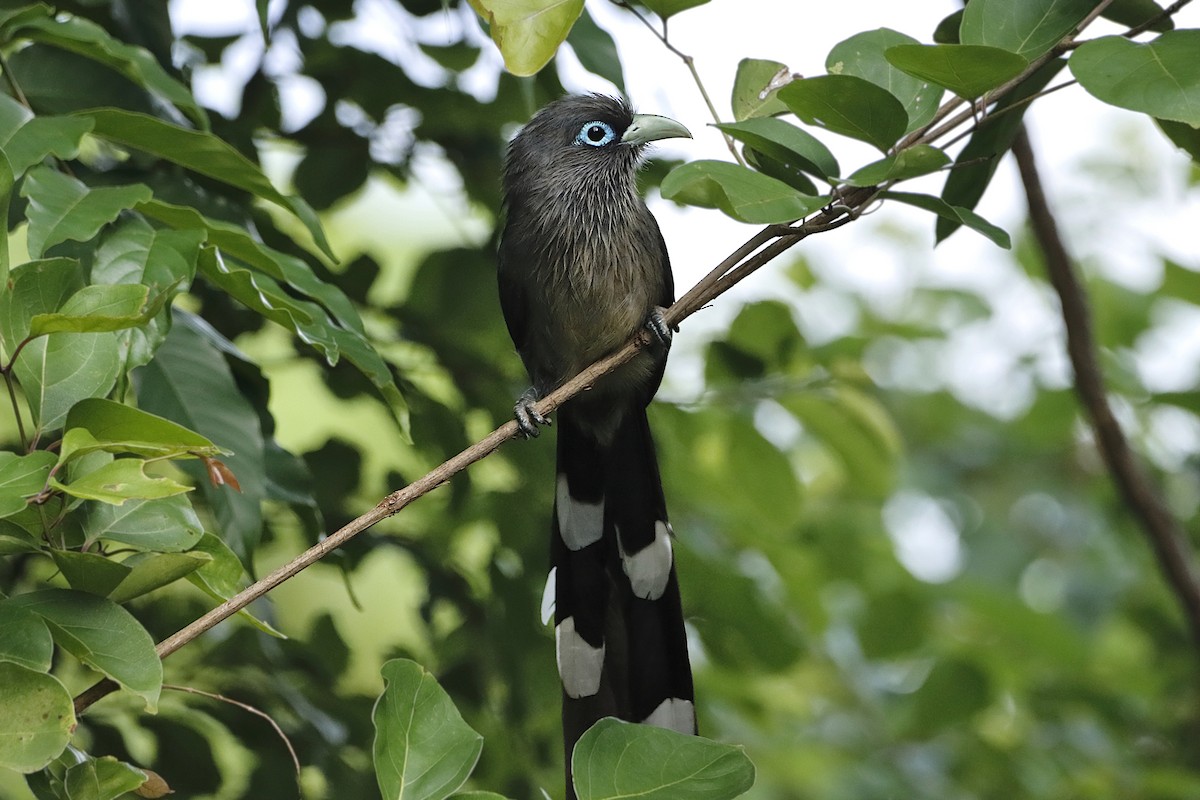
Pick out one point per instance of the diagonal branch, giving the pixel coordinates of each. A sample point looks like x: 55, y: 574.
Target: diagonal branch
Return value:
x: 1142, y: 497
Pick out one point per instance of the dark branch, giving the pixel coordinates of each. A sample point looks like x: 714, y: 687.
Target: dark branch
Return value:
x: 1143, y: 499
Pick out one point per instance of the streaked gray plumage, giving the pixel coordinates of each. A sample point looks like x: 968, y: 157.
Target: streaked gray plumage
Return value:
x: 582, y: 267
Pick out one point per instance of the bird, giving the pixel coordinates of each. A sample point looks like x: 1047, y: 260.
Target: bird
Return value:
x: 583, y: 268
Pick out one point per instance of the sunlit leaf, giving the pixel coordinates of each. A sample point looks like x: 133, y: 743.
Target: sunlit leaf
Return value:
x: 119, y: 428
x: 423, y: 750
x: 910, y: 162
x: 528, y: 32
x: 24, y: 638
x: 756, y: 87
x: 102, y: 635
x: 36, y: 718
x: 21, y: 477
x: 862, y: 55
x: 968, y: 70
x: 617, y: 759
x: 1028, y: 29
x: 848, y: 105
x: 120, y: 480
x: 742, y: 193
x: 102, y: 779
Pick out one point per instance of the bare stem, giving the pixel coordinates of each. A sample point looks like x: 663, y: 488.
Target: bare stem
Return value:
x: 690, y: 63
x: 1166, y: 535
x: 245, y: 707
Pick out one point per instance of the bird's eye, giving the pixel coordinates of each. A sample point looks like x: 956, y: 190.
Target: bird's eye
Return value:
x: 596, y: 134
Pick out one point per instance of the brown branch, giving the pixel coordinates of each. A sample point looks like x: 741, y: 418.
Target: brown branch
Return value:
x: 1143, y: 499
x: 1166, y: 13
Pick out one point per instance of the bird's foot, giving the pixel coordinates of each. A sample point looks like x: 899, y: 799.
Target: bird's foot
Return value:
x: 528, y: 418
x: 656, y: 323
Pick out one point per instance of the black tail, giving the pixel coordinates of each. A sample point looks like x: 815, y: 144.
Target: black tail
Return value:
x: 621, y: 643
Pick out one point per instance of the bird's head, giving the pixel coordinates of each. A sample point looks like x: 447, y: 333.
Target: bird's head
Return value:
x: 584, y: 138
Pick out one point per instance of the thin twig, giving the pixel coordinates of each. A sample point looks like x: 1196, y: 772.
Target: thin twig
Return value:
x: 245, y: 707
x: 690, y: 63
x: 1143, y: 499
x: 12, y: 395
x: 1166, y: 13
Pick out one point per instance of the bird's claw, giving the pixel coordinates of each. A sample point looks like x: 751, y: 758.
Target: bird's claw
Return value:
x: 656, y: 323
x: 528, y: 418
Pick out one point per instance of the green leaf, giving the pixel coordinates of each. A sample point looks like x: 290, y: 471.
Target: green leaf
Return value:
x: 135, y: 252
x: 1135, y: 12
x: 102, y: 635
x: 233, y: 240
x: 596, y: 50
x: 58, y: 370
x: 36, y: 718
x: 742, y: 193
x: 6, y: 187
x: 946, y: 31
x: 120, y: 480
x: 203, y: 153
x: 37, y: 287
x: 94, y: 309
x: 617, y: 759
x: 756, y: 88
x: 221, y: 578
x: 150, y: 571
x: 90, y: 572
x: 955, y: 690
x: 168, y: 524
x: 62, y: 208
x: 862, y: 56
x: 22, y: 477
x: 669, y: 8
x: 349, y: 340
x: 264, y: 19
x: 993, y: 137
x: 102, y: 779
x: 785, y: 143
x: 190, y: 383
x: 118, y: 428
x: 88, y: 39
x: 14, y: 539
x: 957, y: 214
x: 1160, y: 78
x: 1185, y: 137
x: 848, y: 105
x: 1028, y: 29
x: 423, y: 750
x: 528, y: 32
x: 910, y: 162
x: 24, y: 638
x: 968, y: 70
x: 857, y: 429
x: 27, y: 140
